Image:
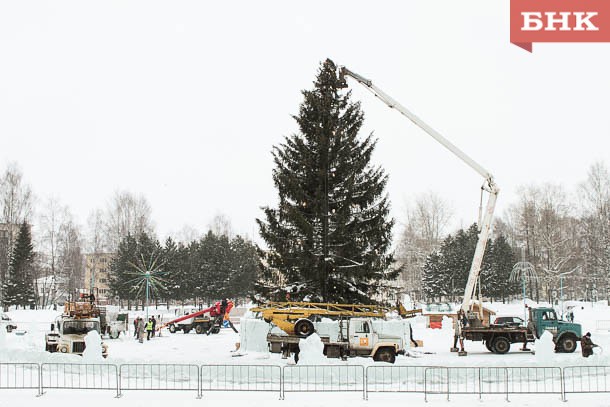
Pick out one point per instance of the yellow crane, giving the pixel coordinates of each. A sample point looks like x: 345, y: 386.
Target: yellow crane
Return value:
x: 296, y: 318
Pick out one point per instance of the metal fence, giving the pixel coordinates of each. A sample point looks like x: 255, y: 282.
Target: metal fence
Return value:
x: 535, y: 380
x: 427, y: 380
x: 79, y: 376
x: 159, y: 377
x: 19, y: 376
x: 395, y: 379
x: 265, y: 378
x: 323, y: 378
x: 586, y: 379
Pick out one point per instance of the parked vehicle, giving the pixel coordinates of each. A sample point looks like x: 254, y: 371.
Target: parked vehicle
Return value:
x: 357, y: 336
x: 6, y: 320
x: 202, y: 323
x: 508, y: 321
x: 68, y: 333
x: 498, y: 338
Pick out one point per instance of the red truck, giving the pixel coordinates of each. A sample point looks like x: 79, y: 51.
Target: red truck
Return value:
x: 202, y: 323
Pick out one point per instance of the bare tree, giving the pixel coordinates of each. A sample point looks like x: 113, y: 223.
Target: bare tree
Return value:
x: 15, y: 196
x: 220, y: 225
x: 544, y: 225
x: 97, y: 241
x: 426, y: 222
x: 187, y: 234
x: 60, y: 244
x: 127, y: 214
x: 15, y: 207
x: 52, y: 218
x: 595, y: 230
x: 70, y: 258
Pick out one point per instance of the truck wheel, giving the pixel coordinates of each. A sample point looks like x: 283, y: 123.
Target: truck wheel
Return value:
x: 501, y: 345
x: 172, y: 328
x: 385, y: 355
x: 9, y: 328
x: 199, y: 329
x: 567, y: 344
x: 303, y: 328
x: 488, y: 345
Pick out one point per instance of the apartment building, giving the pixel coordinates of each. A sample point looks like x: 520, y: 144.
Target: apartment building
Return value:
x: 97, y: 268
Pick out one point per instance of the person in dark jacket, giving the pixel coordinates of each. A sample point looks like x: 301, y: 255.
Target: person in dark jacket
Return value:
x: 154, y: 325
x: 587, y: 345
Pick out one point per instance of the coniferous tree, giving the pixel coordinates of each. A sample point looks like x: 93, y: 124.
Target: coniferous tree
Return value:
x: 134, y: 257
x: 120, y: 267
x: 244, y: 264
x: 445, y: 272
x: 331, y: 232
x: 432, y: 276
x: 501, y: 258
x: 19, y: 289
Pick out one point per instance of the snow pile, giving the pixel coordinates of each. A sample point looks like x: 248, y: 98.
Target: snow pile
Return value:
x: 253, y: 335
x: 93, y: 348
x: 328, y: 327
x: 545, y: 349
x: 312, y: 351
x: 447, y: 323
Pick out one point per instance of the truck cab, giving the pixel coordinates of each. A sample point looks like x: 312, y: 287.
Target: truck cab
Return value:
x: 565, y: 334
x: 68, y: 333
x: 366, y: 339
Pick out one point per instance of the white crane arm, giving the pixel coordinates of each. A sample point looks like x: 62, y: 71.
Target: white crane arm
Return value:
x: 490, y: 186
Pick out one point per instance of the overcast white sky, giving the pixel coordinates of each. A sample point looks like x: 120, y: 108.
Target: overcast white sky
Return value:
x: 183, y: 101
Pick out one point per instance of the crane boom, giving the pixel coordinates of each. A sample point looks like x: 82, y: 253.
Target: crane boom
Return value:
x: 490, y: 186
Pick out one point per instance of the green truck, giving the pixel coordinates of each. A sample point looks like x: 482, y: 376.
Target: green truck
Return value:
x: 498, y: 338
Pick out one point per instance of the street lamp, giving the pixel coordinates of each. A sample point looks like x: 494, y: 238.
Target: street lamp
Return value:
x: 561, y: 277
x: 524, y: 272
x: 147, y: 278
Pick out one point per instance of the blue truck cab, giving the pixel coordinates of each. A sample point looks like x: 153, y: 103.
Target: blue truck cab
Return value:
x: 565, y: 334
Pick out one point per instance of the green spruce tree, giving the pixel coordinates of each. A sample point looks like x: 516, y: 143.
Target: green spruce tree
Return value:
x: 19, y: 289
x: 331, y: 233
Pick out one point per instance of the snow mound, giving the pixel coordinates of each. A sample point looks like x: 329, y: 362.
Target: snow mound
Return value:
x: 545, y: 349
x: 447, y: 323
x: 312, y: 351
x: 253, y: 335
x: 93, y: 347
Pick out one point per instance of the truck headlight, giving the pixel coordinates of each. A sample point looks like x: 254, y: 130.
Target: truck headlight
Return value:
x: 63, y: 349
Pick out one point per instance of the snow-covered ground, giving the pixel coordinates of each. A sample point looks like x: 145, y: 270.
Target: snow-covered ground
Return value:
x: 27, y: 345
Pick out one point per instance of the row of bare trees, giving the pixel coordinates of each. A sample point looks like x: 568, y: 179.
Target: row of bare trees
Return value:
x: 59, y: 240
x: 566, y: 236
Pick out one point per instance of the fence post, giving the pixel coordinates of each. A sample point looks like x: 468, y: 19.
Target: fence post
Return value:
x: 366, y: 383
x: 40, y: 393
x: 563, y: 386
x: 118, y: 381
x: 480, y: 390
x: 283, y: 384
x: 506, y: 382
x: 200, y: 382
x: 448, y: 382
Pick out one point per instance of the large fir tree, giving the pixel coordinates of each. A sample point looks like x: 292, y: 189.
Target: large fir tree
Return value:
x: 331, y: 232
x: 19, y: 287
